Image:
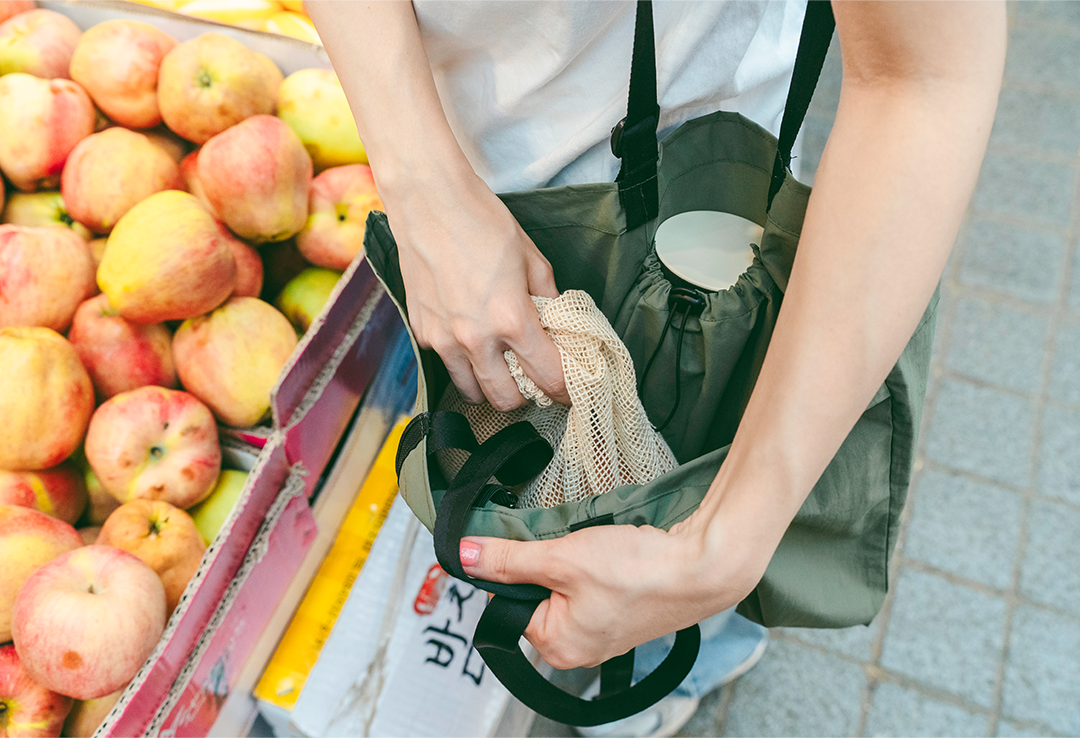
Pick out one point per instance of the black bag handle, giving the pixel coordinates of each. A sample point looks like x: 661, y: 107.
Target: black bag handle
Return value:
x: 513, y: 455
x: 634, y: 138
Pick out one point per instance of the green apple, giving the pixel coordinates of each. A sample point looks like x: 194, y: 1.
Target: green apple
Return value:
x: 210, y: 514
x: 312, y: 102
x: 41, y: 209
x: 304, y: 296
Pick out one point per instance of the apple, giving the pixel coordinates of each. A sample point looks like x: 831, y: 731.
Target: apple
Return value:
x: 86, y: 621
x: 121, y: 355
x: 41, y: 120
x: 341, y: 198
x: 28, y: 540
x: 26, y: 708
x: 163, y: 536
x: 166, y: 260
x: 117, y: 61
x: 46, y: 398
x: 189, y: 171
x: 210, y: 514
x: 87, y: 715
x: 44, y: 274
x: 38, y: 42
x: 249, y: 266
x: 213, y: 82
x: 312, y: 102
x: 10, y: 8
x: 59, y: 491
x: 256, y: 177
x: 305, y: 295
x: 108, y: 173
x: 156, y: 444
x: 41, y: 209
x: 231, y: 358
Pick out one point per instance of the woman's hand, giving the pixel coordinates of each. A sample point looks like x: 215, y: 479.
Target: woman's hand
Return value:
x: 616, y: 587
x: 469, y: 270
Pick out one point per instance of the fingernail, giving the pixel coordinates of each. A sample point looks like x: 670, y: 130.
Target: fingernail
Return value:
x: 470, y: 554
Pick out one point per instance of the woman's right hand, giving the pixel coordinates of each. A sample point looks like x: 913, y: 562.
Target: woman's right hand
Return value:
x: 469, y: 270
x: 468, y: 267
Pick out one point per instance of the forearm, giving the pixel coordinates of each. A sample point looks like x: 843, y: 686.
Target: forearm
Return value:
x: 889, y: 197
x: 379, y: 58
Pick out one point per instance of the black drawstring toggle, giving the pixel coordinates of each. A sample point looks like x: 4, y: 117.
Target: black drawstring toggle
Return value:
x: 691, y: 303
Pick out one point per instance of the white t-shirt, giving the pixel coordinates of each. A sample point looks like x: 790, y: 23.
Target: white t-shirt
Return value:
x: 532, y: 89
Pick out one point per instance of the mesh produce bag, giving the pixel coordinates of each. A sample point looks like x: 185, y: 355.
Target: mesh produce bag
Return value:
x: 604, y: 439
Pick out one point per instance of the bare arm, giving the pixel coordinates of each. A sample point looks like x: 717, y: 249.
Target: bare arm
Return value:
x: 468, y: 267
x: 918, y: 97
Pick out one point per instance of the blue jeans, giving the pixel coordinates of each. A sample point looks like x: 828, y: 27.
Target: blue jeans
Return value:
x: 727, y: 641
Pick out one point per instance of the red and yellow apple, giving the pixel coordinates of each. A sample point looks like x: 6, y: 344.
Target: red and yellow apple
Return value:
x: 39, y: 209
x: 304, y: 296
x: 44, y: 274
x: 341, y: 198
x: 41, y: 120
x: 27, y: 710
x: 108, y: 173
x: 231, y: 358
x: 86, y: 621
x: 312, y: 102
x: 213, y: 82
x: 163, y: 536
x: 46, y: 398
x: 256, y: 176
x: 117, y: 61
x: 156, y: 444
x: 166, y: 260
x: 29, y: 539
x: 210, y: 514
x: 38, y: 42
x: 59, y: 491
x: 121, y: 355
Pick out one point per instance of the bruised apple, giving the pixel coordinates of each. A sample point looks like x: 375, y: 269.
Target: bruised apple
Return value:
x: 163, y: 536
x: 156, y: 444
x: 86, y: 621
x: 117, y: 62
x: 256, y: 177
x: 27, y: 709
x: 38, y: 42
x: 28, y: 539
x: 59, y: 491
x: 166, y: 260
x: 121, y: 355
x: 213, y: 82
x: 231, y: 358
x: 41, y: 120
x: 44, y: 274
x: 107, y: 173
x: 340, y: 201
x: 46, y: 398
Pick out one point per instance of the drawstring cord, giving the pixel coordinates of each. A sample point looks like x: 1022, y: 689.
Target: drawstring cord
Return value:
x: 691, y: 302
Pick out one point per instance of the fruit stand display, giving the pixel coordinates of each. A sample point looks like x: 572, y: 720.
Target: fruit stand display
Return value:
x: 187, y: 330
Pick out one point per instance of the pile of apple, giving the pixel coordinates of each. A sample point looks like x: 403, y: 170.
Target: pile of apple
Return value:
x: 174, y: 216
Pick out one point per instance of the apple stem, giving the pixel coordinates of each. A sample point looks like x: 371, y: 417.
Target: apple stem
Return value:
x: 157, y: 452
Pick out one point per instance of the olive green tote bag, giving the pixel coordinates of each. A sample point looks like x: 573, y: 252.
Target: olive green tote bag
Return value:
x: 704, y: 350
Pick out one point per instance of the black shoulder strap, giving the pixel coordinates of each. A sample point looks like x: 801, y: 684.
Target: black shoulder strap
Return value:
x: 634, y: 138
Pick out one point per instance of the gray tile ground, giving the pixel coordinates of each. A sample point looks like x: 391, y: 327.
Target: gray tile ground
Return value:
x: 981, y: 634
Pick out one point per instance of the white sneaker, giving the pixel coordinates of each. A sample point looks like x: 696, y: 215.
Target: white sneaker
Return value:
x: 662, y: 719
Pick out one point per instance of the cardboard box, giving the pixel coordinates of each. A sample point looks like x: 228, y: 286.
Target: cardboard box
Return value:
x: 313, y: 404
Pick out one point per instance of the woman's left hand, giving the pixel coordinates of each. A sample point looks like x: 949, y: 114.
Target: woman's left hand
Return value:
x: 612, y: 587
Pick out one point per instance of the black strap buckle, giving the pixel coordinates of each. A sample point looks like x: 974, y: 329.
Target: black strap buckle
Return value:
x: 616, y: 138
